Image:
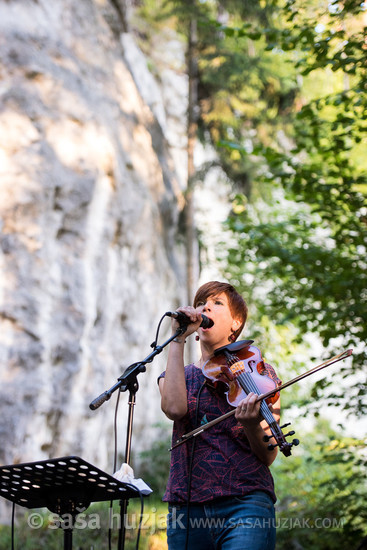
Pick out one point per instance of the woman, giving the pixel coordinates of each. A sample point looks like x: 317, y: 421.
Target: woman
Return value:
x: 220, y: 490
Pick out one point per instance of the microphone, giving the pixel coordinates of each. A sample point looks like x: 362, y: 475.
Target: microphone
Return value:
x: 184, y: 319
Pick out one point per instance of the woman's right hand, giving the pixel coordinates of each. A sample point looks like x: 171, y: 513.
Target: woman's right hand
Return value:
x: 195, y: 319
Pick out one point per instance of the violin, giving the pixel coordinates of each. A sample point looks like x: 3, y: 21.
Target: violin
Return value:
x: 226, y: 373
x: 241, y: 369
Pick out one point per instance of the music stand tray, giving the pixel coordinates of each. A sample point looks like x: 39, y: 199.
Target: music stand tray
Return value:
x: 65, y: 485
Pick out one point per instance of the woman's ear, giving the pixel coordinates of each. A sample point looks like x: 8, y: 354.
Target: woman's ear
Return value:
x: 236, y: 324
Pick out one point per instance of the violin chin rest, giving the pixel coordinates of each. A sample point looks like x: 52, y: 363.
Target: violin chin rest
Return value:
x: 235, y: 346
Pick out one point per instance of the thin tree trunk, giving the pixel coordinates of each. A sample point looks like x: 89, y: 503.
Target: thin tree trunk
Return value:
x: 191, y: 235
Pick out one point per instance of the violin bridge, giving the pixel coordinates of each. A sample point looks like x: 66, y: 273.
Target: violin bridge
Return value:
x: 237, y: 368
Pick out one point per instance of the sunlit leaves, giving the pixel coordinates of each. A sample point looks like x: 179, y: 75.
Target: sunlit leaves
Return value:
x: 322, y: 493
x: 318, y: 277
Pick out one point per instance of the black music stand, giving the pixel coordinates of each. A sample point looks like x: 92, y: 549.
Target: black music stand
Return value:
x: 66, y: 486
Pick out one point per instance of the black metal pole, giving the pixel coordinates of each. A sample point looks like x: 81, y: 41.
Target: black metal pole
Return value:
x: 133, y: 370
x: 124, y: 503
x: 128, y: 381
x: 68, y: 538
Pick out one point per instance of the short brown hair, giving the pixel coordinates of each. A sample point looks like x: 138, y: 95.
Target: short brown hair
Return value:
x: 237, y: 304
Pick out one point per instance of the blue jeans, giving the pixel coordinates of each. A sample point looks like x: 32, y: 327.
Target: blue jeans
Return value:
x: 233, y: 523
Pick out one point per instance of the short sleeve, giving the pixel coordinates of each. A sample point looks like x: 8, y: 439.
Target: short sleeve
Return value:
x: 272, y: 374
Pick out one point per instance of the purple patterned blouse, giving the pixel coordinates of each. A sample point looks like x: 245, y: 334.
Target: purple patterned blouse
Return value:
x: 223, y: 463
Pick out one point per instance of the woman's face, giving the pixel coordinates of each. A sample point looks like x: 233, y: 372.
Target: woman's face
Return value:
x: 218, y: 310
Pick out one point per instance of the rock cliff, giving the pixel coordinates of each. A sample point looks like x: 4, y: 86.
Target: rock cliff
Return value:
x: 91, y: 177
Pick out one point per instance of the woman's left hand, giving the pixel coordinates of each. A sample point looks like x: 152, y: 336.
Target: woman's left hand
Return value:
x: 255, y: 427
x: 248, y: 410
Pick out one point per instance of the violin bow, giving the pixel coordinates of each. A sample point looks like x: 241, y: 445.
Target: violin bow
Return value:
x: 204, y: 427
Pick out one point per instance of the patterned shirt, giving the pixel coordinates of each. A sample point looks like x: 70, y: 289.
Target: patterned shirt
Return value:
x: 223, y: 463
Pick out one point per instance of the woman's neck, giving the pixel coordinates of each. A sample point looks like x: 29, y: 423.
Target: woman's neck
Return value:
x: 206, y: 353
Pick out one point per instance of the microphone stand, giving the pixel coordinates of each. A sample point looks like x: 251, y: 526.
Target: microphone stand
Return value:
x: 128, y: 382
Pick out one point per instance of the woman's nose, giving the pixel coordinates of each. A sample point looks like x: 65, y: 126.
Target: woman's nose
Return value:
x: 206, y: 306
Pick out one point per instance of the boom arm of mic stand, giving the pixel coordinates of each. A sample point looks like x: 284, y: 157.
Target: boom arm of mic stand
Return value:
x: 130, y: 374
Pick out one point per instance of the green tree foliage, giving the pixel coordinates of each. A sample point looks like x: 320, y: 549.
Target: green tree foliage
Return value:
x: 154, y: 463
x: 303, y: 254
x: 309, y: 248
x: 282, y: 99
x: 245, y: 89
x: 322, y: 496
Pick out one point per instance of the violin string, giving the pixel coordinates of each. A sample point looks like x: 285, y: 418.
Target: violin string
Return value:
x: 248, y: 385
x: 251, y: 387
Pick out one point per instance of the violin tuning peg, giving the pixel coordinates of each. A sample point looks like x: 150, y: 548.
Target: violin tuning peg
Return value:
x: 267, y: 438
x: 285, y: 425
x: 295, y: 442
x: 272, y: 446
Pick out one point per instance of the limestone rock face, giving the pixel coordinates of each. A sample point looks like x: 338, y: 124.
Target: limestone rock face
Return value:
x: 89, y: 206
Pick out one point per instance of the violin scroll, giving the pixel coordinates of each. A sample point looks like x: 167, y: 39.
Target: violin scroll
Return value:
x: 287, y: 449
